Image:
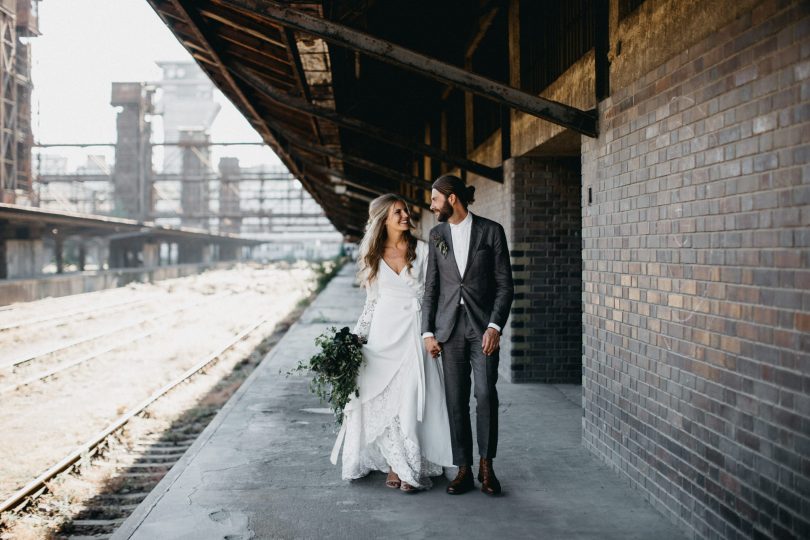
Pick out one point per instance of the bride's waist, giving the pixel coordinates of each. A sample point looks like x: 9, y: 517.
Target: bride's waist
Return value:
x: 398, y: 295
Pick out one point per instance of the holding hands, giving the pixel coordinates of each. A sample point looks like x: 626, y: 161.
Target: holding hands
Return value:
x: 489, y: 343
x: 432, y: 346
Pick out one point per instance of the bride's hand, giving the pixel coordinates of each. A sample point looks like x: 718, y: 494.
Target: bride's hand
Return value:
x: 432, y: 346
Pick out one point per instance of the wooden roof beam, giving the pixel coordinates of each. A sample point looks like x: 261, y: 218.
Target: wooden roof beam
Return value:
x: 382, y: 170
x: 301, y: 77
x: 358, y: 183
x: 287, y: 138
x: 558, y: 113
x: 361, y: 163
x: 360, y: 126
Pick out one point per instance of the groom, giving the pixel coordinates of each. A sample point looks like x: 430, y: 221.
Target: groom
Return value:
x: 468, y: 293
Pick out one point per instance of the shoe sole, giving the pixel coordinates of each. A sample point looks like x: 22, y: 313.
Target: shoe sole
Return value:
x: 460, y: 492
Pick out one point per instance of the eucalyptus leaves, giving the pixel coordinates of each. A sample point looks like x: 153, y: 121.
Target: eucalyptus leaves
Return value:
x: 334, y: 368
x: 440, y: 244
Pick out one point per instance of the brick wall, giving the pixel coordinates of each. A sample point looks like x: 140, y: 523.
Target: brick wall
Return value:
x: 696, y: 280
x: 547, y: 263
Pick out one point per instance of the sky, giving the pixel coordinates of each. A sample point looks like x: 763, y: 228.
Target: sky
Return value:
x: 86, y: 45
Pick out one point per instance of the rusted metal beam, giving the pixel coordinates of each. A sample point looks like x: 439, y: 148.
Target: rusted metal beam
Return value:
x: 365, y: 128
x: 581, y: 121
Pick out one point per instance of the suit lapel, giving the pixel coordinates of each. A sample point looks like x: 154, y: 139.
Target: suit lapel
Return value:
x: 475, y: 239
x: 448, y: 237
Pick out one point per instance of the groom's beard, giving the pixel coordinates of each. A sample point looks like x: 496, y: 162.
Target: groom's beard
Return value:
x: 445, y: 213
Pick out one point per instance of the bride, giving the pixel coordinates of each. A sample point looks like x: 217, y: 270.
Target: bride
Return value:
x: 398, y: 424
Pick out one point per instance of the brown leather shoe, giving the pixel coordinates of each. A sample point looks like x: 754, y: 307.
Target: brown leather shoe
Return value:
x: 463, y: 481
x: 489, y: 482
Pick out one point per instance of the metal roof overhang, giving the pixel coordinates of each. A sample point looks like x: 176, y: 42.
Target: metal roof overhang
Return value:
x: 90, y: 224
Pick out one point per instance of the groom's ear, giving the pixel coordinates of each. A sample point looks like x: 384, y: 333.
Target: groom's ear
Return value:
x: 452, y: 198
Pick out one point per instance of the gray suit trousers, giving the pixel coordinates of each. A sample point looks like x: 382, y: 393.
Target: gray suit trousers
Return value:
x: 462, y: 355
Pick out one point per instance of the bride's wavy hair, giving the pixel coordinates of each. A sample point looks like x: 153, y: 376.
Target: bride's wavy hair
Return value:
x: 372, y: 245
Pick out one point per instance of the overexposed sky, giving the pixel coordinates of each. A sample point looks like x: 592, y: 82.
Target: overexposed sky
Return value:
x: 88, y: 44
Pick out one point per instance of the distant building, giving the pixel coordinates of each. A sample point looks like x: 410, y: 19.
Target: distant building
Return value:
x: 51, y: 164
x: 186, y: 104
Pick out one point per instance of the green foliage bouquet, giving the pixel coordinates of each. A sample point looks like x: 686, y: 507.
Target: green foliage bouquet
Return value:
x: 335, y: 368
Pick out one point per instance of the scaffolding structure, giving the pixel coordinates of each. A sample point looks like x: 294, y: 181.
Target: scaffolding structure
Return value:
x: 237, y: 200
x: 18, y: 19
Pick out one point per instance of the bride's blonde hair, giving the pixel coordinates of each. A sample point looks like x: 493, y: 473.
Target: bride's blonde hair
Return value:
x: 372, y: 245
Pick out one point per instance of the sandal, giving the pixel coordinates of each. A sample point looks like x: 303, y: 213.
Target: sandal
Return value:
x: 393, y: 481
x: 407, y: 488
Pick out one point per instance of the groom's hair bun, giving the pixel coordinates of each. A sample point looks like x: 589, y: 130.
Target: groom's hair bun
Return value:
x: 451, y: 184
x: 470, y: 194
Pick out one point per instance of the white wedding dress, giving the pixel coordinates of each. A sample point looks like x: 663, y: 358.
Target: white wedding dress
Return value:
x: 399, y: 421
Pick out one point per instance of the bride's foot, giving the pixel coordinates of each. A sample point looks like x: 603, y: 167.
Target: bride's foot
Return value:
x: 407, y: 488
x: 393, y: 481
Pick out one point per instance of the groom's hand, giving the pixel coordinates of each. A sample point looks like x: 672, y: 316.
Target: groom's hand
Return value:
x: 491, y: 340
x: 433, y: 346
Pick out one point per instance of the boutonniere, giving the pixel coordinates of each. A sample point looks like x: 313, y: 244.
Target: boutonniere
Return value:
x: 440, y: 244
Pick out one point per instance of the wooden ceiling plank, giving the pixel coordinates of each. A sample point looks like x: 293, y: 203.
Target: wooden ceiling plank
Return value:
x: 365, y: 128
x: 558, y: 113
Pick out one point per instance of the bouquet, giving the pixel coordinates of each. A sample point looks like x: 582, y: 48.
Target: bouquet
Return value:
x: 335, y: 368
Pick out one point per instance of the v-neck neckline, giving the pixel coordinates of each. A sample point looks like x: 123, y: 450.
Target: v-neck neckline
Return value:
x: 394, y: 271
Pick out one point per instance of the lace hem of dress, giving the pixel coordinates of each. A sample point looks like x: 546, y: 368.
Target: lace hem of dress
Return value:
x: 388, y: 447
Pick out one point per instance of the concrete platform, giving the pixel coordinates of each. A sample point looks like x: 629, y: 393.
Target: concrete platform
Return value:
x: 261, y: 469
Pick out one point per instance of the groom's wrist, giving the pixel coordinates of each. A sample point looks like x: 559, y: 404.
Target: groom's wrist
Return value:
x: 427, y: 335
x: 495, y: 326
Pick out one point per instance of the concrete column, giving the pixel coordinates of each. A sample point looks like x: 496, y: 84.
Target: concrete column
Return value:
x: 206, y: 254
x: 132, y: 177
x: 24, y: 257
x: 194, y: 189
x: 58, y: 251
x: 82, y: 254
x: 229, y: 173
x: 151, y: 255
x: 4, y: 232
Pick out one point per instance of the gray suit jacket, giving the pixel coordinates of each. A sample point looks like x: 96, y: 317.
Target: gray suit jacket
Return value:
x: 487, y: 286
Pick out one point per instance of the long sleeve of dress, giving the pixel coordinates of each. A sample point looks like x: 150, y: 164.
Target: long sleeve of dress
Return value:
x: 363, y: 325
x: 420, y: 269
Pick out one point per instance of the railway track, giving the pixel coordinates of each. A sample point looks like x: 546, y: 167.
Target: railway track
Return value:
x: 45, y: 374
x: 57, y: 303
x: 69, y: 316
x: 138, y: 465
x: 130, y: 325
